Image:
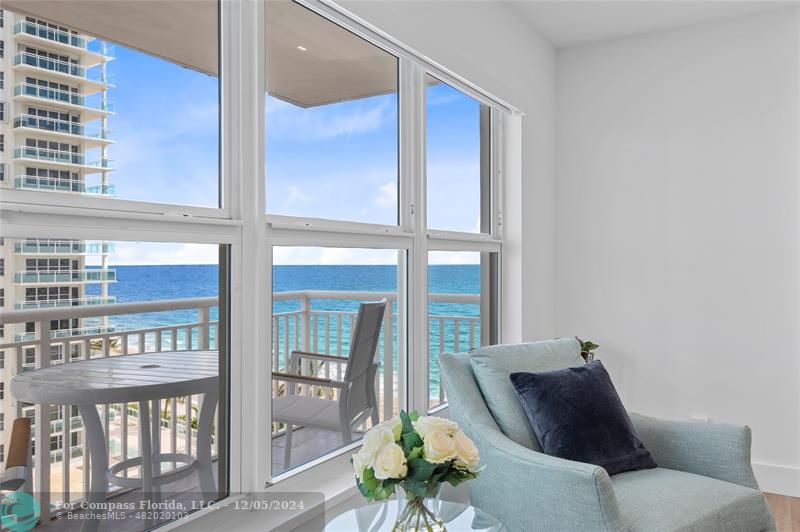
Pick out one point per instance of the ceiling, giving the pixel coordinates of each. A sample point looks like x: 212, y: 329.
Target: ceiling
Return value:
x: 571, y: 22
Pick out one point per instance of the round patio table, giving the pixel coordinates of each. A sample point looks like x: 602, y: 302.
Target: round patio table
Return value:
x: 142, y: 378
x: 381, y: 516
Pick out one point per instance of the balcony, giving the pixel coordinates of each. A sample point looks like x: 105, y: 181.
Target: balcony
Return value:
x: 91, y: 79
x: 59, y: 303
x: 76, y: 102
x: 61, y: 185
x: 90, y: 136
x: 61, y: 247
x: 68, y: 276
x: 60, y: 159
x: 39, y: 35
x: 305, y: 328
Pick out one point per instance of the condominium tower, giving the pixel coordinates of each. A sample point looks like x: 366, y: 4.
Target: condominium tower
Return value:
x: 54, y: 110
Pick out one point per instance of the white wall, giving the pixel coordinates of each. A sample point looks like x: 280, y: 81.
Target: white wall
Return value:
x: 486, y: 43
x: 677, y: 224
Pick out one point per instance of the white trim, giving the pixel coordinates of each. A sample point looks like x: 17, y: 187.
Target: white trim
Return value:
x: 361, y: 27
x: 779, y: 479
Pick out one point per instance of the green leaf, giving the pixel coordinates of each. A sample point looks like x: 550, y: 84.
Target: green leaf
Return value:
x: 410, y: 442
x: 369, y: 479
x: 414, y: 415
x: 416, y: 452
x: 385, y: 490
x: 407, y: 426
x: 416, y: 487
x: 420, y: 469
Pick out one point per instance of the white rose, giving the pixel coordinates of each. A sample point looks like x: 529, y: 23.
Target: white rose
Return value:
x: 361, y: 461
x: 394, y: 425
x: 426, y: 424
x: 438, y: 447
x: 390, y: 462
x: 467, y: 455
x: 375, y: 439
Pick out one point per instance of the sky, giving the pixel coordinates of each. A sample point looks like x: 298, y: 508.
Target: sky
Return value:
x: 336, y: 161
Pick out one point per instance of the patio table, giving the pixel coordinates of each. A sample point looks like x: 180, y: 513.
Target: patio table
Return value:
x: 140, y: 378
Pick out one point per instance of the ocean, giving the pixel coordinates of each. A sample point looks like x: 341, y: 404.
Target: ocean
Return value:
x: 149, y: 283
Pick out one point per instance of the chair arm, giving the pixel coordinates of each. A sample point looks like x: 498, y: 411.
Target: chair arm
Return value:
x: 13, y: 478
x: 713, y: 450
x: 320, y: 356
x: 314, y: 381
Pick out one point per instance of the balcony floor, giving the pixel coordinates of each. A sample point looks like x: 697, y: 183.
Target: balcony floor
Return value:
x: 308, y: 444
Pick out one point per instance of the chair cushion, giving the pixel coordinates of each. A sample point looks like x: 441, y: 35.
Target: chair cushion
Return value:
x: 308, y: 411
x: 492, y: 366
x: 665, y: 500
x: 577, y: 415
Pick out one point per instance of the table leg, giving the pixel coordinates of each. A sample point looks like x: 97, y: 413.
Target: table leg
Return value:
x: 98, y: 456
x: 155, y: 434
x: 204, y: 428
x: 146, y: 450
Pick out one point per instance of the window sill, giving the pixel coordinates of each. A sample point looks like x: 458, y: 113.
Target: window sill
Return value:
x: 334, y: 479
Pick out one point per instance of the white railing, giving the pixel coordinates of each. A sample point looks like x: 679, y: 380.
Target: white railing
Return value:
x: 66, y: 302
x: 51, y: 34
x: 44, y: 246
x: 304, y: 327
x: 65, y: 276
x: 67, y: 127
x: 63, y: 67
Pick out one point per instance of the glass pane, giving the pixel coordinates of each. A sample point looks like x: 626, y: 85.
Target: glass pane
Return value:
x: 454, y: 310
x: 331, y: 120
x: 132, y: 116
x: 90, y: 300
x: 315, y: 302
x: 457, y: 161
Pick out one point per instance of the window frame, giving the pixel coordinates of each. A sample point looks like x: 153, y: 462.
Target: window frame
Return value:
x: 242, y: 222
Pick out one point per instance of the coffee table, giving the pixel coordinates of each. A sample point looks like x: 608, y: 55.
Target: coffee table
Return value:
x: 379, y: 517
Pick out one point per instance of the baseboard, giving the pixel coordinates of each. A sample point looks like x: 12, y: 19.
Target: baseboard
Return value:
x: 783, y: 480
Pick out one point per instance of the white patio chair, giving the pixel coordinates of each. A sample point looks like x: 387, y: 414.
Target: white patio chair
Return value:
x: 356, y: 401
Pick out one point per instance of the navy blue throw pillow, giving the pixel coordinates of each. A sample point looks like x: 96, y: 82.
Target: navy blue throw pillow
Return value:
x: 576, y: 414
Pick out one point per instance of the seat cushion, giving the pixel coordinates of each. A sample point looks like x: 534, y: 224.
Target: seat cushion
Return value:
x: 308, y: 411
x: 577, y: 414
x: 665, y: 500
x: 492, y: 366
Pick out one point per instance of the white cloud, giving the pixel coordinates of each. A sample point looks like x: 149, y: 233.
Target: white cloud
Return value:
x: 332, y: 256
x: 151, y: 253
x: 454, y: 257
x: 387, y: 195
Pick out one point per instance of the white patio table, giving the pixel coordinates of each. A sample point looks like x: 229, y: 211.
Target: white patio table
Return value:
x: 126, y: 379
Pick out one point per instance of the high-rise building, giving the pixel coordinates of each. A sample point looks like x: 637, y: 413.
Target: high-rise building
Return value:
x: 54, y: 110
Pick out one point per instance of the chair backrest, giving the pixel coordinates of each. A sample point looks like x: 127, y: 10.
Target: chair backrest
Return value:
x: 18, y: 450
x: 361, y: 363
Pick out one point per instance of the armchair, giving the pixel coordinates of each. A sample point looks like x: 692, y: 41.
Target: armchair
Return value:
x: 704, y: 481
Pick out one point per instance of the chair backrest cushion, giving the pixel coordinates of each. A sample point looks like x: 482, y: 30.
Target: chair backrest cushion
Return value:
x: 20, y: 442
x: 363, y: 349
x: 492, y: 366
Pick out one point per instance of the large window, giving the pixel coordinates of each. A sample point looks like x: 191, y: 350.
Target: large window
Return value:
x: 248, y: 209
x: 331, y: 115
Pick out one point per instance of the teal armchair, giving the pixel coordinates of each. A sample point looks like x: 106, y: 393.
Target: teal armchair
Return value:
x: 704, y: 481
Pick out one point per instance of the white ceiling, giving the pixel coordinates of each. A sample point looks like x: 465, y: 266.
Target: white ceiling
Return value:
x: 571, y: 22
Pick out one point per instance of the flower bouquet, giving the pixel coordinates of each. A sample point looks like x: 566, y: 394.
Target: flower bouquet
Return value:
x: 417, y: 454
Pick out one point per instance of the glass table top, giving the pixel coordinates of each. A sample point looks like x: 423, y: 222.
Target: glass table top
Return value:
x: 379, y: 517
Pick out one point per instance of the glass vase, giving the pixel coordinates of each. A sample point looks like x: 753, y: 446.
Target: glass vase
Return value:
x: 418, y: 514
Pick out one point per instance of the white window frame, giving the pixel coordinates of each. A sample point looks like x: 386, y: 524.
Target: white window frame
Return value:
x: 242, y: 221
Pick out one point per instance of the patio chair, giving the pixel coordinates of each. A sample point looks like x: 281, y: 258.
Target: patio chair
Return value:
x: 17, y: 476
x: 356, y: 401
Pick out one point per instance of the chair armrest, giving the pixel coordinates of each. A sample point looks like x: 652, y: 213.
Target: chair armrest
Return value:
x: 320, y: 356
x: 13, y: 478
x: 529, y: 490
x: 314, y: 381
x: 713, y: 450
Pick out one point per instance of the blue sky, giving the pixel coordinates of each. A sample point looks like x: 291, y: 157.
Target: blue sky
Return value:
x: 337, y: 161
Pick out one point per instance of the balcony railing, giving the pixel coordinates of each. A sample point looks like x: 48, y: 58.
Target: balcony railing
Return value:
x: 59, y: 303
x: 61, y: 126
x: 51, y: 34
x: 62, y: 67
x: 68, y: 276
x: 58, y: 156
x: 54, y: 184
x: 305, y: 328
x: 62, y: 247
x: 57, y: 95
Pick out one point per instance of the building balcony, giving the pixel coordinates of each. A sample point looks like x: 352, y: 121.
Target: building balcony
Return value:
x: 66, y: 277
x: 90, y: 79
x: 38, y: 35
x: 73, y: 101
x: 63, y: 129
x: 62, y: 185
x: 65, y: 333
x: 61, y: 247
x: 58, y: 303
x: 60, y: 159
